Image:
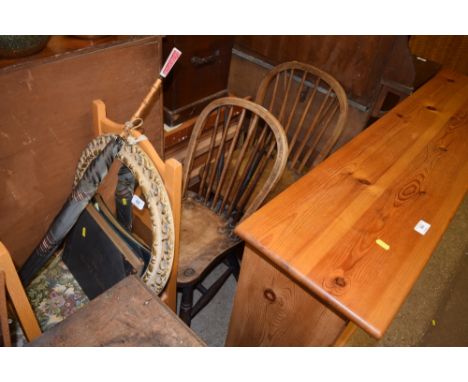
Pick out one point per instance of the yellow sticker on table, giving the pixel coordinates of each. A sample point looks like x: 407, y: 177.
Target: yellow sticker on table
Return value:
x: 382, y: 244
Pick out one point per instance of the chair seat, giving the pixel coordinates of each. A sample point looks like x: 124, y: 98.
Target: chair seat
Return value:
x: 203, y: 239
x: 55, y: 294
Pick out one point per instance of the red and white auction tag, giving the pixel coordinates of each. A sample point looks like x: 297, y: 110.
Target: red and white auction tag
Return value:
x: 171, y: 60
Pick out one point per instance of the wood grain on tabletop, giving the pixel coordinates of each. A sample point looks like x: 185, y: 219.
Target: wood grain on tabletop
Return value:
x: 411, y: 164
x: 128, y: 314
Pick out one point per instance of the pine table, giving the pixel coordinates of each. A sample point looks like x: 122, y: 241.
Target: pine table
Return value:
x: 346, y: 243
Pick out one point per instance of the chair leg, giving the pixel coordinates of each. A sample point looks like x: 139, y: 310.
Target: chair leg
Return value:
x: 186, y: 303
x: 18, y: 296
x: 233, y: 264
x: 5, y: 339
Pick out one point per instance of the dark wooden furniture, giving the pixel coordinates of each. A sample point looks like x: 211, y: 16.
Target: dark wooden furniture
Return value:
x: 397, y: 84
x: 313, y: 109
x: 200, y: 76
x: 450, y: 51
x: 357, y: 62
x: 128, y: 314
x: 46, y: 122
x: 340, y: 244
x: 234, y: 143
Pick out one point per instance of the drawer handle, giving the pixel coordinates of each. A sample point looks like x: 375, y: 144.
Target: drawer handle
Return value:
x: 201, y: 61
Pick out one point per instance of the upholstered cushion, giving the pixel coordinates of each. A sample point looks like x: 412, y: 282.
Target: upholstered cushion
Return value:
x: 55, y: 294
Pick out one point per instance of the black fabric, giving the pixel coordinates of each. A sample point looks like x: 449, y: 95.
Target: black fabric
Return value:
x: 138, y: 247
x: 123, y: 197
x: 96, y: 255
x: 70, y: 212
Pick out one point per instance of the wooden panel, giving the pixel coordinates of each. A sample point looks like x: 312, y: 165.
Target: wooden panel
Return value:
x: 357, y: 62
x: 128, y: 314
x: 47, y: 121
x: 450, y: 51
x: 272, y: 310
x: 200, y: 76
x: 412, y: 164
x: 60, y: 45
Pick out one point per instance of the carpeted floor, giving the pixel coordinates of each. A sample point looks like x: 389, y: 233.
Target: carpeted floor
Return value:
x: 211, y: 324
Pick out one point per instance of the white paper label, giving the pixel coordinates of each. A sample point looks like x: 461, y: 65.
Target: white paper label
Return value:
x: 422, y: 227
x: 138, y: 202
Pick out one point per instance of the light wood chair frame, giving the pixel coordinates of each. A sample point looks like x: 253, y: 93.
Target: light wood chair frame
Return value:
x: 277, y: 140
x: 297, y: 148
x: 18, y: 297
x: 258, y: 112
x: 171, y: 174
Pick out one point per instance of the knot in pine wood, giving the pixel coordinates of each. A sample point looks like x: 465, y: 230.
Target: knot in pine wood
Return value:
x: 340, y: 281
x: 336, y: 284
x: 364, y: 181
x: 269, y: 294
x: 414, y: 188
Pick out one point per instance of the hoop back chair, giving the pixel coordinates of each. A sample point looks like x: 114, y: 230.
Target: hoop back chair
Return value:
x: 312, y: 107
x: 233, y: 143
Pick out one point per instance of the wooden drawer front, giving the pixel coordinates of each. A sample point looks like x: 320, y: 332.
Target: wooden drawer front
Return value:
x: 200, y: 76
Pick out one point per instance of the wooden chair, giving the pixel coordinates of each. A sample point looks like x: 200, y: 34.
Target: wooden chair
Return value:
x: 171, y: 174
x: 9, y: 278
x: 233, y: 142
x: 312, y: 107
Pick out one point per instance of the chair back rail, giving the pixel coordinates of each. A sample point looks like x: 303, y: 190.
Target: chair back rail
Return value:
x: 312, y: 107
x: 244, y: 138
x: 171, y: 174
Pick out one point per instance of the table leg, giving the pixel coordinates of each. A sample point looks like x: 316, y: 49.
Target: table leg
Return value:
x: 270, y: 309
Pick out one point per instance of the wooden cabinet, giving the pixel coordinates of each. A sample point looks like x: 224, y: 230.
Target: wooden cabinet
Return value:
x: 357, y: 62
x: 45, y: 104
x: 200, y: 75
